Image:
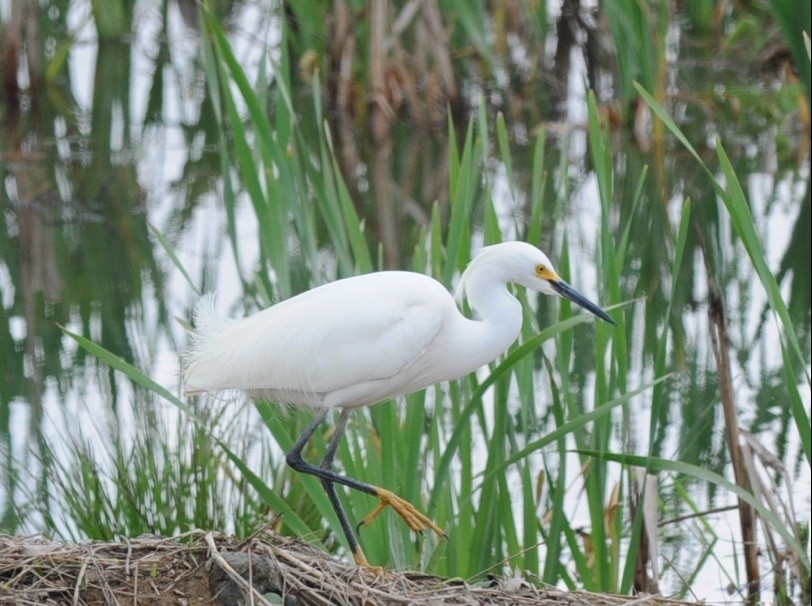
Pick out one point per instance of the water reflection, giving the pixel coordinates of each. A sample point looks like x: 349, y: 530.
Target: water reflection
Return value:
x: 82, y: 180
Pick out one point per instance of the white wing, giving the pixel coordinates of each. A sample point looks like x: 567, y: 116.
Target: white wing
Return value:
x: 339, y: 335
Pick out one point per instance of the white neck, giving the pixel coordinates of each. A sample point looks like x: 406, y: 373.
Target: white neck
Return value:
x: 498, y: 324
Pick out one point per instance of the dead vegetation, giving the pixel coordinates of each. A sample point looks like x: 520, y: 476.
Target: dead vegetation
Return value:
x: 205, y: 568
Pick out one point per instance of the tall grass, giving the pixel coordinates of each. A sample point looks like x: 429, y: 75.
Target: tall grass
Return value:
x: 164, y: 474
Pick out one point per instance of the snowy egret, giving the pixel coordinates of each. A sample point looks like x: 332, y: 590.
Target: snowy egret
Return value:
x: 362, y: 340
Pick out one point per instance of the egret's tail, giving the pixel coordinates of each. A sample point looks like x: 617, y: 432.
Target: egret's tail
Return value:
x: 207, y: 326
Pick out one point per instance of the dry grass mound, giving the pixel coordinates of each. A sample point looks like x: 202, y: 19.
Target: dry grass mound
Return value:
x: 206, y: 568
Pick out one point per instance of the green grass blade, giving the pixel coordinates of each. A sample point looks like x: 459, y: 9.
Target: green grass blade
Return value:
x: 538, y: 183
x: 138, y: 377
x: 657, y: 464
x: 353, y: 225
x: 739, y: 211
x: 504, y: 153
x: 240, y: 79
x: 796, y: 405
x: 173, y: 257
x: 291, y: 518
x: 572, y: 425
x: 463, y: 182
x: 659, y: 110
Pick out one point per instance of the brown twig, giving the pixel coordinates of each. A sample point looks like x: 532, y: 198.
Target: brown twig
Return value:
x: 698, y: 514
x: 721, y: 351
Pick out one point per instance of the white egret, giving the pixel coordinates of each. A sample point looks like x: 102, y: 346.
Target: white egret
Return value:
x: 362, y: 340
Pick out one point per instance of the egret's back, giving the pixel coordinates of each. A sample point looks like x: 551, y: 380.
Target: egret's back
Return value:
x: 348, y: 336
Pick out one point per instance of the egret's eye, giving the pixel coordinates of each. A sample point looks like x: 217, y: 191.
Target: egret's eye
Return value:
x: 540, y: 269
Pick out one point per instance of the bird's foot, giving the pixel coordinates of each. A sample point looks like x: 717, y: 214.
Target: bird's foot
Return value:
x: 361, y: 560
x: 414, y: 519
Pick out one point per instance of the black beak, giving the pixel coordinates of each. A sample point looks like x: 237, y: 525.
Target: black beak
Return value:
x: 567, y: 291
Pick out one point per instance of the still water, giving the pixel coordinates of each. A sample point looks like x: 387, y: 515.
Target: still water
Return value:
x: 125, y: 143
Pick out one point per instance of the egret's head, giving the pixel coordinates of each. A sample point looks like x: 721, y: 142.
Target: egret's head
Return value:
x: 546, y: 280
x: 524, y: 264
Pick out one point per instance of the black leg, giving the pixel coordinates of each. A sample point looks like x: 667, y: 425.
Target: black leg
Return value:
x: 330, y: 489
x: 306, y: 435
x: 295, y: 460
x: 328, y: 477
x: 415, y: 520
x: 338, y: 432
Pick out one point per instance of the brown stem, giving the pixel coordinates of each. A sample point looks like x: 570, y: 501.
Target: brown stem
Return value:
x: 721, y: 351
